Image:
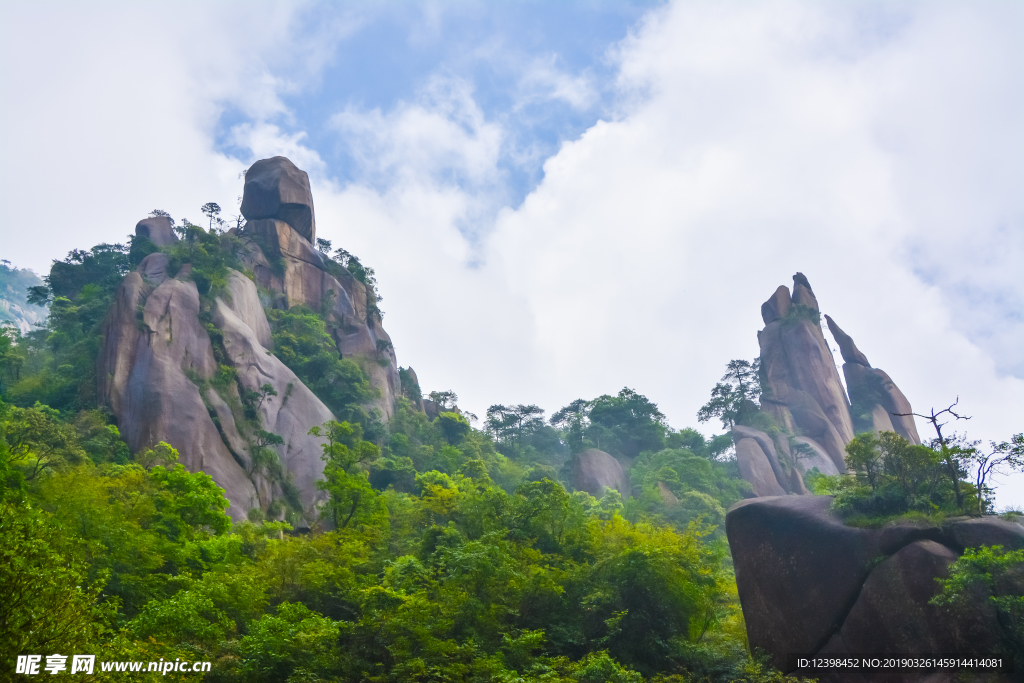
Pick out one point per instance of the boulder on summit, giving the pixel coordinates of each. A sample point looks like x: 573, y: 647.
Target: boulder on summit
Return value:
x: 276, y: 189
x: 158, y: 229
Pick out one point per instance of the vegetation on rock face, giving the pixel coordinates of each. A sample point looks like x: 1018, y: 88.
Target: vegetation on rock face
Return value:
x: 302, y: 343
x: 733, y: 398
x: 56, y: 364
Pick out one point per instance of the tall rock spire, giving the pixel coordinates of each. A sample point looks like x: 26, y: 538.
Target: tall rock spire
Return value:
x: 802, y: 392
x: 801, y: 386
x: 877, y: 403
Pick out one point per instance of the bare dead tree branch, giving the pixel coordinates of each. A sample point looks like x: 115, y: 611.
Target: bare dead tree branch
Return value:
x: 948, y: 455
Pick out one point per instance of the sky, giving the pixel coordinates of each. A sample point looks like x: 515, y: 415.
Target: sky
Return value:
x: 563, y: 199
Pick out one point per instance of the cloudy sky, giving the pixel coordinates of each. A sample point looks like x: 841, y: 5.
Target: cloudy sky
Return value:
x: 562, y: 199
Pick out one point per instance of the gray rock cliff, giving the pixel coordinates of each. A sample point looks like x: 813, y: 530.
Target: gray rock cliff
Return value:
x: 157, y: 365
x: 148, y: 372
x: 805, y: 397
x: 276, y: 188
x: 877, y: 403
x: 158, y: 229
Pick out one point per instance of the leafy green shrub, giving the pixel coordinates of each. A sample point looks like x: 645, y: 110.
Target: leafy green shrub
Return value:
x: 891, y: 477
x: 993, y: 575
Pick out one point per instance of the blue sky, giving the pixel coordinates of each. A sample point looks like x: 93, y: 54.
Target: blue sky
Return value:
x: 506, y: 52
x: 562, y: 199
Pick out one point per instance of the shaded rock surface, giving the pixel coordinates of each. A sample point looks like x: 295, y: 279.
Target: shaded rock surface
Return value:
x: 296, y: 273
x: 798, y: 570
x: 767, y: 447
x: 848, y: 349
x: 593, y: 470
x: 971, y: 533
x: 290, y: 414
x: 154, y: 268
x: 809, y: 584
x: 812, y: 455
x: 159, y: 230
x: 777, y: 305
x: 873, y: 394
x: 755, y: 468
x: 276, y: 188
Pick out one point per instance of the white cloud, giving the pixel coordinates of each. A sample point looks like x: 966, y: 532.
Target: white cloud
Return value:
x: 543, y: 79
x: 442, y: 138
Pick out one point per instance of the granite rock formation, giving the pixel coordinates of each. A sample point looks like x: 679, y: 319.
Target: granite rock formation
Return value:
x: 801, y: 387
x: 158, y: 359
x: 276, y: 189
x: 158, y: 229
x: 877, y: 403
x: 594, y: 470
x: 805, y: 399
x: 809, y: 584
x: 146, y: 378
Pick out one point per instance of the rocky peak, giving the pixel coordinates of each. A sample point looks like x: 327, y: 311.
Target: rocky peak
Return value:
x: 802, y: 292
x: 801, y: 386
x: 849, y: 350
x: 276, y: 189
x: 876, y: 402
x: 158, y: 229
x: 777, y: 305
x: 803, y: 394
x: 157, y: 372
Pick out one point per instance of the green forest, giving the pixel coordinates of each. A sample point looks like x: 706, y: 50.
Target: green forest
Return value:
x: 446, y: 552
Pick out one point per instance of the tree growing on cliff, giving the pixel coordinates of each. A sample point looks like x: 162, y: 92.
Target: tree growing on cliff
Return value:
x: 892, y: 476
x: 211, y: 210
x: 735, y: 396
x: 512, y: 424
x: 955, y: 451
x: 445, y: 400
x: 991, y: 574
x: 1000, y: 459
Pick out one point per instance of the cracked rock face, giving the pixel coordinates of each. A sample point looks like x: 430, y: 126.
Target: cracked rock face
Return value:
x: 158, y: 357
x: 809, y: 584
x: 148, y: 370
